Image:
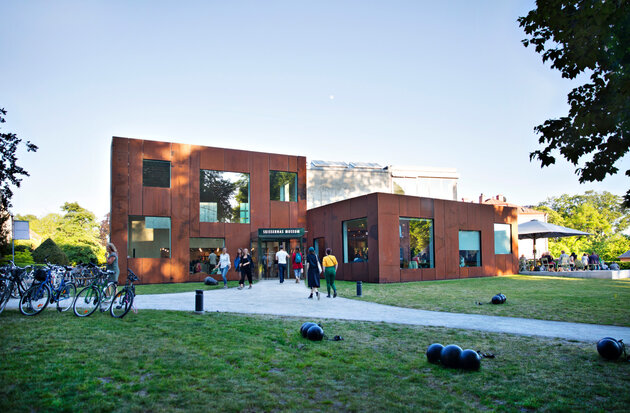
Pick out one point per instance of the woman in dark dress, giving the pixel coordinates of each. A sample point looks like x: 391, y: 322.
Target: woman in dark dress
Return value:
x: 246, y: 269
x: 312, y: 264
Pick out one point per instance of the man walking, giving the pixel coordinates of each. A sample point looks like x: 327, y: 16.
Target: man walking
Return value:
x: 281, y: 257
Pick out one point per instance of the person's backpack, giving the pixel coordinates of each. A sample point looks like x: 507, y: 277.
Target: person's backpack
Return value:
x: 298, y: 258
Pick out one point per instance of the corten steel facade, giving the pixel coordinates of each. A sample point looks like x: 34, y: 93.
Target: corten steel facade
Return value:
x: 181, y: 201
x: 383, y: 213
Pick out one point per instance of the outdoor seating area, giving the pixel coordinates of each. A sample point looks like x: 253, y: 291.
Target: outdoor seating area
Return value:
x: 583, y: 273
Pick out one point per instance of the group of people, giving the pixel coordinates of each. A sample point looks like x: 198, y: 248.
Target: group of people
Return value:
x: 572, y: 262
x: 328, y: 266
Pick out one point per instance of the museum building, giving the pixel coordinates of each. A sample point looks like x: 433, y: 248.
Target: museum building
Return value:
x: 175, y: 205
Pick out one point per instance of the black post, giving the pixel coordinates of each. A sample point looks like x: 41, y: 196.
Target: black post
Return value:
x: 199, y: 301
x: 359, y: 288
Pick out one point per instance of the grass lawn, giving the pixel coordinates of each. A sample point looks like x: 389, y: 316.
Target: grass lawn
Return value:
x: 175, y: 361
x: 547, y: 298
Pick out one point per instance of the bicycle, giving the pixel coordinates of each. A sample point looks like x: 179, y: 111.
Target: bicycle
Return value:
x: 12, y: 280
x: 96, y: 295
x: 123, y: 300
x: 40, y: 294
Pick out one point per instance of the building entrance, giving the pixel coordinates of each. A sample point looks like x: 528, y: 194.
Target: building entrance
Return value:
x: 269, y: 242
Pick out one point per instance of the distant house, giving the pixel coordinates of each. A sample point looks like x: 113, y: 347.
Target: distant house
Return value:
x: 625, y: 257
x: 525, y: 214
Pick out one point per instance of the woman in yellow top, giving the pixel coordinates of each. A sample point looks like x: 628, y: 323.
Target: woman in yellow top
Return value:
x: 330, y: 270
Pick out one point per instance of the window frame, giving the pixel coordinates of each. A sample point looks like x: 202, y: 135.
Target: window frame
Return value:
x: 155, y: 161
x: 130, y: 240
x: 509, y: 226
x: 241, y: 220
x: 294, y: 193
x: 431, y: 245
x: 479, y: 262
x: 344, y: 237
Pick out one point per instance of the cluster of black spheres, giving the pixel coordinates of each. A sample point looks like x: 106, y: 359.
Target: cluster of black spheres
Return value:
x: 453, y: 356
x: 312, y: 331
x: 499, y: 299
x: 609, y: 348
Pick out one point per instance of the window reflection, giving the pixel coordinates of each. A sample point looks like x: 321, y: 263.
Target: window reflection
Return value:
x: 469, y: 249
x: 416, y: 243
x: 224, y: 197
x: 355, y: 240
x: 149, y: 237
x: 283, y: 186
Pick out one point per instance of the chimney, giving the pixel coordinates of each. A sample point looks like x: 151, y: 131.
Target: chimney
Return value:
x: 481, y: 198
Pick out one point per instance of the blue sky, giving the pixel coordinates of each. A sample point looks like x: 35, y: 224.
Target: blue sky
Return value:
x: 443, y: 84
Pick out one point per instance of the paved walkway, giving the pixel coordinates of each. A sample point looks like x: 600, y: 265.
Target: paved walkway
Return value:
x: 289, y: 299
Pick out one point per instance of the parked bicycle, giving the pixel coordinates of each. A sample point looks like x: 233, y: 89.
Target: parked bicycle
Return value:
x: 96, y: 295
x: 123, y: 300
x: 43, y: 292
x: 14, y: 283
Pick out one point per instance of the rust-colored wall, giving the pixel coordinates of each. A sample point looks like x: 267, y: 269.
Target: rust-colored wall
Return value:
x: 180, y: 202
x: 383, y: 212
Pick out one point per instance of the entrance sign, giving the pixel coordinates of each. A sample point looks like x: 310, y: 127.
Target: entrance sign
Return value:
x: 20, y: 230
x: 278, y: 233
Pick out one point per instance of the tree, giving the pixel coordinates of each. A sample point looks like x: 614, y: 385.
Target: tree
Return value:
x: 601, y: 214
x: 586, y: 37
x: 78, y: 234
x: 50, y: 251
x: 10, y: 172
x: 103, y: 229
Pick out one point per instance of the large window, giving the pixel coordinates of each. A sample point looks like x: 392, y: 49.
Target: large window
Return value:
x: 224, y: 197
x: 149, y: 237
x: 469, y: 249
x: 156, y: 173
x: 502, y: 239
x: 416, y: 243
x: 201, y: 249
x: 283, y: 186
x: 355, y: 240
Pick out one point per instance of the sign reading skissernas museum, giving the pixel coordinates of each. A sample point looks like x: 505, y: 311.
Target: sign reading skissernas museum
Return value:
x: 281, y: 232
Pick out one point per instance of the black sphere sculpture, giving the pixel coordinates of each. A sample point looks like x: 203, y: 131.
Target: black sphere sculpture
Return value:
x: 433, y: 352
x: 210, y: 281
x: 315, y: 333
x: 497, y: 299
x: 450, y: 355
x: 305, y: 327
x: 503, y: 298
x: 469, y: 360
x: 609, y: 348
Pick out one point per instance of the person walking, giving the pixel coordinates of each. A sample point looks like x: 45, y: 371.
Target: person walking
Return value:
x: 246, y: 269
x: 298, y: 267
x: 212, y: 261
x: 112, y: 262
x: 237, y: 262
x: 330, y: 270
x: 281, y: 257
x: 313, y: 270
x: 224, y: 265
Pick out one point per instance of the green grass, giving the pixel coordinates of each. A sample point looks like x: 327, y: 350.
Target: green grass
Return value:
x: 182, y: 287
x: 174, y: 361
x: 547, y: 298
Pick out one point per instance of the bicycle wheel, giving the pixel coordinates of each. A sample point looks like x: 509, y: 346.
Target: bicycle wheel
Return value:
x: 66, y: 297
x: 35, y: 299
x: 121, y: 304
x: 86, y: 301
x: 108, y: 293
x: 5, y: 293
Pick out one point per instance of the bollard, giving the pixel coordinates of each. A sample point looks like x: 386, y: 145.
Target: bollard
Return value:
x: 359, y: 288
x: 199, y: 301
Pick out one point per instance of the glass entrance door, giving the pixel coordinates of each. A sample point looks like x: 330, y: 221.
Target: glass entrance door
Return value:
x: 268, y: 267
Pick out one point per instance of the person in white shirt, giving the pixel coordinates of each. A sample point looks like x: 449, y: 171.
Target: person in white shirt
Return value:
x: 282, y: 258
x: 224, y: 265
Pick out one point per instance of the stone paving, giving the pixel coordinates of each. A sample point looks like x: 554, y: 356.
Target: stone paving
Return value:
x: 290, y: 299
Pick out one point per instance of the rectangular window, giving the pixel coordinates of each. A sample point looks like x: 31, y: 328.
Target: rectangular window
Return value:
x: 355, y: 240
x: 502, y: 239
x: 149, y: 237
x: 469, y: 249
x: 204, y: 254
x: 416, y: 243
x: 156, y: 173
x: 223, y: 197
x: 283, y: 186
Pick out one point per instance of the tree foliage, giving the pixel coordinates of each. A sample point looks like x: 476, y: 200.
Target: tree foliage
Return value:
x: 10, y: 172
x: 50, y: 251
x: 601, y: 214
x: 586, y: 37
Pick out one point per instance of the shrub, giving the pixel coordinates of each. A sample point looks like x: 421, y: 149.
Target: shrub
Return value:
x: 49, y: 250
